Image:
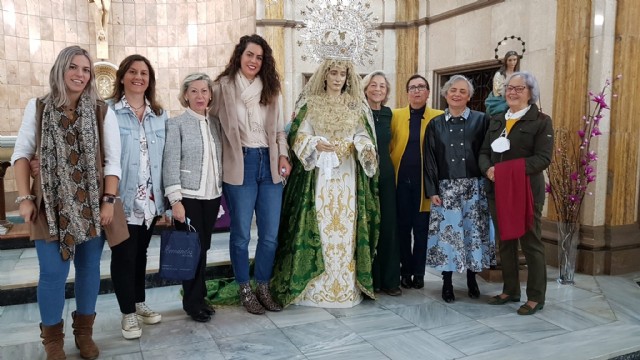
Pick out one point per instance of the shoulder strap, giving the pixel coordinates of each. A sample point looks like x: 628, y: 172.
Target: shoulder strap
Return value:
x: 39, y: 112
x: 101, y: 114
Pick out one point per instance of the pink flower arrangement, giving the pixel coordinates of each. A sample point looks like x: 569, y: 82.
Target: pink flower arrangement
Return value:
x: 572, y: 168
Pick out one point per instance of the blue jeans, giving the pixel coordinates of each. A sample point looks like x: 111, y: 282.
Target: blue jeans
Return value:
x: 258, y: 192
x: 53, y: 276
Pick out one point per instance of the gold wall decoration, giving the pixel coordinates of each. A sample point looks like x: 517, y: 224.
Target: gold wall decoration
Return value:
x: 105, y: 78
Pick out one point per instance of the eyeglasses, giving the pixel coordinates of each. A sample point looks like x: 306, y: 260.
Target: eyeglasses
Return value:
x: 516, y: 89
x: 417, y: 88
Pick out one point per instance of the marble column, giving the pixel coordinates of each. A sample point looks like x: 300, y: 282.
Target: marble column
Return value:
x: 275, y: 35
x: 406, y: 47
x: 622, y: 199
x: 594, y: 42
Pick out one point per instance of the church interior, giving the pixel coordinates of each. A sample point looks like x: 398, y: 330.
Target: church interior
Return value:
x: 572, y: 48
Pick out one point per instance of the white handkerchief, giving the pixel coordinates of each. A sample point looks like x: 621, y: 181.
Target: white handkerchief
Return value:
x: 326, y: 162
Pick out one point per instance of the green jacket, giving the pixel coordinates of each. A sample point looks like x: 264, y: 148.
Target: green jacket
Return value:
x: 531, y: 138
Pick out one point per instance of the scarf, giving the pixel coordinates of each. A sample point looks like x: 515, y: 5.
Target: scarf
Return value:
x: 69, y: 175
x: 514, y: 200
x: 250, y: 96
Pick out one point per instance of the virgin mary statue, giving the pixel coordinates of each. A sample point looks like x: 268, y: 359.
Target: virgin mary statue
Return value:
x: 330, y: 216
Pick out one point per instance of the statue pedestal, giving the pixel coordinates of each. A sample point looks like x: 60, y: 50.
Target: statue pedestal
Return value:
x: 102, y: 48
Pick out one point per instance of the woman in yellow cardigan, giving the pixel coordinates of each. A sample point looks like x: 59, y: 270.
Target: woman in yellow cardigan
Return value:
x: 407, y: 136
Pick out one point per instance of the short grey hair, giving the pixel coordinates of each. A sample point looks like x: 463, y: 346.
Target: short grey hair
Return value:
x: 531, y: 83
x: 367, y: 80
x: 188, y: 80
x: 452, y: 80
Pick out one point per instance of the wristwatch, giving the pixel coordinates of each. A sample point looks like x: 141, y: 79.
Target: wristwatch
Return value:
x: 109, y: 199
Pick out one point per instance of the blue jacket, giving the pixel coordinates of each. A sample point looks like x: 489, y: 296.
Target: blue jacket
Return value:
x: 154, y: 126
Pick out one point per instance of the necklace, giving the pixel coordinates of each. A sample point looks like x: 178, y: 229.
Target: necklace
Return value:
x: 376, y: 114
x: 138, y: 108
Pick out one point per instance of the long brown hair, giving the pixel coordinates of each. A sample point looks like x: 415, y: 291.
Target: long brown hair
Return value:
x: 503, y: 68
x: 268, y: 72
x: 150, y: 93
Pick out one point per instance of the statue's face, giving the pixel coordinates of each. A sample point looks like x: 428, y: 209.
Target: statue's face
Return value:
x: 336, y: 77
x: 512, y: 61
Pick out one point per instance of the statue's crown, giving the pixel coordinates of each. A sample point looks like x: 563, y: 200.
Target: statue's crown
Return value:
x: 341, y: 30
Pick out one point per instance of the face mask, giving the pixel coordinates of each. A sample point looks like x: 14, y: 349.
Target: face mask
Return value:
x: 500, y: 145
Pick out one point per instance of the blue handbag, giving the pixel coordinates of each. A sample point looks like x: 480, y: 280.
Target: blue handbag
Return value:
x: 179, y: 254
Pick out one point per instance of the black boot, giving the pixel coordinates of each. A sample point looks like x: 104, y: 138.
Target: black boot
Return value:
x: 447, y: 287
x: 472, y: 285
x: 406, y: 282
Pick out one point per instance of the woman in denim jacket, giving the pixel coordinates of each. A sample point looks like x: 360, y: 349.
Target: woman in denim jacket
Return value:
x: 141, y: 120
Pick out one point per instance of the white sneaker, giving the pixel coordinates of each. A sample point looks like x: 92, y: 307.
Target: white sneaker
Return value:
x: 130, y: 327
x: 147, y: 315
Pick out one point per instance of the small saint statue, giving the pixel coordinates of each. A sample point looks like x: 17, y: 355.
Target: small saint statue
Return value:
x: 101, y: 19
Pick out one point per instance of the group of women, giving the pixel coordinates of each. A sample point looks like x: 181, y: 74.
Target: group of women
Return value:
x: 325, y: 239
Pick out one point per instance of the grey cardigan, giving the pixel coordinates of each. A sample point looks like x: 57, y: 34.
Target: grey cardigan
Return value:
x: 182, y: 164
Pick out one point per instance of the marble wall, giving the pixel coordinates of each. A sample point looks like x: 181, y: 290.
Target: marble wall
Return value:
x: 178, y: 37
x: 471, y: 37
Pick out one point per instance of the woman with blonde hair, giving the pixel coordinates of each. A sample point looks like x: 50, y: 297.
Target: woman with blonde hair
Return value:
x: 386, y: 265
x: 71, y: 203
x: 192, y: 174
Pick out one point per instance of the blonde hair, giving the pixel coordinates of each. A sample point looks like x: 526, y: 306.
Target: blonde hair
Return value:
x: 58, y: 95
x: 367, y: 80
x: 188, y: 80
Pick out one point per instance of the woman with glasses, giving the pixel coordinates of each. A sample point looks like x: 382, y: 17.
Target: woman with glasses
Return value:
x: 459, y: 224
x: 408, y: 126
x: 516, y: 150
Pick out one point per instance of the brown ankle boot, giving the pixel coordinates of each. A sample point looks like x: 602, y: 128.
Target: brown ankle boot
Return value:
x: 83, y: 331
x: 53, y: 341
x: 249, y: 301
x: 264, y: 297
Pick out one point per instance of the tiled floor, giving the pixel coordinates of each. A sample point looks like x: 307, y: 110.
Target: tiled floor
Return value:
x: 599, y: 318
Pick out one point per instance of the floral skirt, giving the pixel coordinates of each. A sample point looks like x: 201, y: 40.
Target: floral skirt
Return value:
x: 459, y: 231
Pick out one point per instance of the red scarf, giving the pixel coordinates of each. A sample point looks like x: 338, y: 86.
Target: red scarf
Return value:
x: 514, y: 200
